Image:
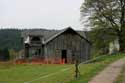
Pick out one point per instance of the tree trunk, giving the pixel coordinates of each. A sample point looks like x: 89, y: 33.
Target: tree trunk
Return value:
x: 121, y: 43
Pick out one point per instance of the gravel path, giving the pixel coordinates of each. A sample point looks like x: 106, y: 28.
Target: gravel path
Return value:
x: 109, y: 74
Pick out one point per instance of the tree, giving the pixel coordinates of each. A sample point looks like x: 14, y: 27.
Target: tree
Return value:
x: 100, y: 40
x: 4, y: 55
x: 13, y: 54
x: 106, y: 14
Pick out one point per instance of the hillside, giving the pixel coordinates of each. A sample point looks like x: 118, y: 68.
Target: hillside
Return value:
x: 10, y: 39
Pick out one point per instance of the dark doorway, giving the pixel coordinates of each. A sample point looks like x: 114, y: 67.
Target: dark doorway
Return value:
x: 64, y: 55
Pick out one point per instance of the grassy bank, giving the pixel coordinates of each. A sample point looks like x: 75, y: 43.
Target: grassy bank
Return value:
x: 53, y: 73
x: 87, y: 71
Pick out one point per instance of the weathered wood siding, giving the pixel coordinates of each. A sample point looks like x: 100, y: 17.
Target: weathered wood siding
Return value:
x: 70, y: 41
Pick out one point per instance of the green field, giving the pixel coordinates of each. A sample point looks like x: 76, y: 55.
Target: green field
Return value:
x: 28, y: 73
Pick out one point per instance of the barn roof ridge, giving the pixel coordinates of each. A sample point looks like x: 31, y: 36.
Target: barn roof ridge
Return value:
x: 83, y: 36
x: 51, y: 34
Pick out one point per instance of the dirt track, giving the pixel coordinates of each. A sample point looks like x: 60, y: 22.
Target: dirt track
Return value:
x: 109, y: 74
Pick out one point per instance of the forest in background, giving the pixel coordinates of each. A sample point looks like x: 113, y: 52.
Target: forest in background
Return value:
x: 10, y: 43
x: 10, y: 39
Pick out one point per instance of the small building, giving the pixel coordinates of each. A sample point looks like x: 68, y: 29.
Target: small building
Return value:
x: 56, y: 45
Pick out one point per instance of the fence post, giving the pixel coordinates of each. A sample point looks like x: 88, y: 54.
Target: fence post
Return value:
x: 77, y: 73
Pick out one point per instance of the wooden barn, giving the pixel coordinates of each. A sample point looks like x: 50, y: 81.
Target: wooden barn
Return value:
x: 55, y: 46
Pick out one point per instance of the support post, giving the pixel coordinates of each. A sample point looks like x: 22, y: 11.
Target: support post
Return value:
x: 26, y: 50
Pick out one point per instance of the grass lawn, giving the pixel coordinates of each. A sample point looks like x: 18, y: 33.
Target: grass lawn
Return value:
x: 10, y: 73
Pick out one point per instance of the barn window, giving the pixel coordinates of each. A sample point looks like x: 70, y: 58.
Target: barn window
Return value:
x: 35, y: 39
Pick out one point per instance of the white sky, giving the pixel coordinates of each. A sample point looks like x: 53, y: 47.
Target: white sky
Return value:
x: 49, y: 14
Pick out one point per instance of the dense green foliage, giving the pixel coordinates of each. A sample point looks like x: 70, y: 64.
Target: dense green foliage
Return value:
x: 100, y: 39
x: 11, y: 39
x: 4, y: 55
x: 12, y: 73
x: 106, y: 14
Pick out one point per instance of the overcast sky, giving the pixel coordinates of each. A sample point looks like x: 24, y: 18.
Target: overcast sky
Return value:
x: 49, y: 14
